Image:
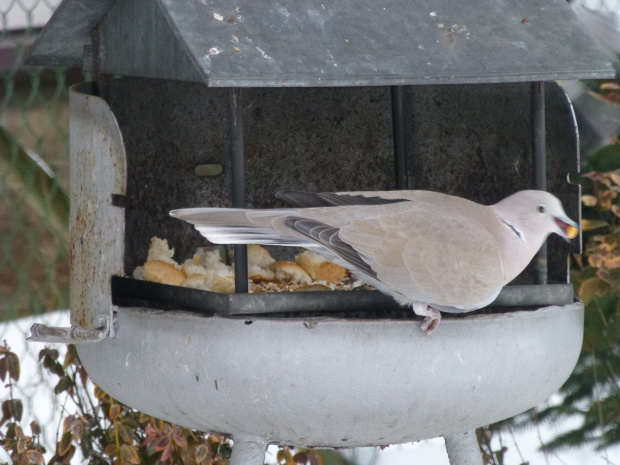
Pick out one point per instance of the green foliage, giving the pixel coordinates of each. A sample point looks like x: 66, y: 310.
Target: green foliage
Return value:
x: 606, y: 159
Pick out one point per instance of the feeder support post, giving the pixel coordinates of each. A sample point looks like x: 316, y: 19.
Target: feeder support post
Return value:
x: 463, y: 449
x: 248, y: 450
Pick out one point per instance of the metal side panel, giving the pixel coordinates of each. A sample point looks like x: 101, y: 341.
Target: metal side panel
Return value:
x: 98, y: 171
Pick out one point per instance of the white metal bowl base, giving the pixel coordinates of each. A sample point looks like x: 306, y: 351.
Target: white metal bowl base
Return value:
x: 327, y: 382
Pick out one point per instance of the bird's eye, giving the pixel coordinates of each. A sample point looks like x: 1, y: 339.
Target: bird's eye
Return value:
x: 540, y: 209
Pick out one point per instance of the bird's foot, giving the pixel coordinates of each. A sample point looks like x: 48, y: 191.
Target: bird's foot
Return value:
x: 431, y: 315
x: 431, y: 322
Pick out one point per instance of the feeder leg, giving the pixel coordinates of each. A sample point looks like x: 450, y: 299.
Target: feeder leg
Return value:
x: 463, y: 449
x: 248, y: 450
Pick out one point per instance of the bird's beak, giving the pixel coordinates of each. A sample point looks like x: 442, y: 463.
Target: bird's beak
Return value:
x: 569, y: 228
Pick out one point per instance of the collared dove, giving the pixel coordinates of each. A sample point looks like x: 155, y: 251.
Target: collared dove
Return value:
x: 428, y: 250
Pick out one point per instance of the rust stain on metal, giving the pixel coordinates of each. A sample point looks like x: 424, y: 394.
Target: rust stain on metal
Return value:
x: 79, y: 263
x: 98, y: 170
x: 449, y: 36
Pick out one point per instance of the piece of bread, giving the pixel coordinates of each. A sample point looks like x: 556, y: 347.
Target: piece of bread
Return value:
x: 213, y: 261
x: 196, y: 281
x: 211, y: 282
x: 256, y: 273
x: 319, y: 268
x: 222, y: 284
x: 159, y: 250
x: 190, y: 267
x: 312, y: 288
x: 161, y: 272
x: 259, y: 256
x: 287, y: 271
x: 138, y: 272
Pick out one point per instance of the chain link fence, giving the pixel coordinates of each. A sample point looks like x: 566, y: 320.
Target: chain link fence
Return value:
x: 34, y: 161
x: 34, y: 205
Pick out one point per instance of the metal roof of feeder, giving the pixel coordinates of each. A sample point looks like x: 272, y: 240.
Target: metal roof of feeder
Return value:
x: 249, y: 43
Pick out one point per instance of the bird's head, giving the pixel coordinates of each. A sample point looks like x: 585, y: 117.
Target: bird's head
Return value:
x: 533, y: 215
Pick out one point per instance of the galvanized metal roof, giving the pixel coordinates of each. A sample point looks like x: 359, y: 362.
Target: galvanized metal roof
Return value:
x: 252, y: 43
x: 62, y: 41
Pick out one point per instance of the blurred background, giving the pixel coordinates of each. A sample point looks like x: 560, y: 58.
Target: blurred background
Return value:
x: 579, y: 425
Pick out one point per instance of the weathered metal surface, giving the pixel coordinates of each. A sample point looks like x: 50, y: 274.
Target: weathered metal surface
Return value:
x: 150, y: 47
x: 97, y: 228
x: 62, y: 41
x: 335, y: 383
x: 128, y: 291
x: 313, y: 43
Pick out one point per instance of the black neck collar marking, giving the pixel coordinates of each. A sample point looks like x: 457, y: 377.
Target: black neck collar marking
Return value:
x: 514, y: 230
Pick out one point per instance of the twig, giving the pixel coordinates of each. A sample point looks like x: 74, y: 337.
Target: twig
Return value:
x: 514, y: 440
x: 540, y: 436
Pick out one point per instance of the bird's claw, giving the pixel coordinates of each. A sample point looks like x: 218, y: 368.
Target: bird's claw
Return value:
x: 431, y: 322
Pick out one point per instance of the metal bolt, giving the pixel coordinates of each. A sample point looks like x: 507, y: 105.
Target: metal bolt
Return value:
x: 100, y: 321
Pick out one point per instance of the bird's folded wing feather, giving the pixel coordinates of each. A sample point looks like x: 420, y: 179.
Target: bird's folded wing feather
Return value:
x: 387, y: 196
x: 328, y: 237
x: 331, y: 199
x: 440, y: 257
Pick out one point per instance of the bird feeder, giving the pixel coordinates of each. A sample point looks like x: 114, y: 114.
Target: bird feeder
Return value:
x: 349, y: 95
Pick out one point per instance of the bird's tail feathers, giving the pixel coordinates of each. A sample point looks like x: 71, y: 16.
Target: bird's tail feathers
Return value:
x: 240, y: 226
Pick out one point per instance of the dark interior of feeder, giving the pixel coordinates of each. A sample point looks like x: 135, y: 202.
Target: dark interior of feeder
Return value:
x: 473, y: 141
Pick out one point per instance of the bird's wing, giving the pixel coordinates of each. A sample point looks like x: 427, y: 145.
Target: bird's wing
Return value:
x: 240, y: 226
x: 444, y: 256
x: 414, y: 195
x: 328, y: 236
x: 303, y: 199
x: 330, y: 199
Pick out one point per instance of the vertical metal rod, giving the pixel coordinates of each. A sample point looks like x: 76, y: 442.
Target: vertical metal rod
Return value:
x: 539, y: 149
x: 238, y: 183
x: 99, y: 78
x: 398, y: 131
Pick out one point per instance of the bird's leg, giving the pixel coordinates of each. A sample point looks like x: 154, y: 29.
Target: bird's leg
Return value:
x: 431, y: 315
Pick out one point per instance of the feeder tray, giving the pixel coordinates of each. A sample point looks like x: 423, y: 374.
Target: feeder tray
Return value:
x: 128, y: 292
